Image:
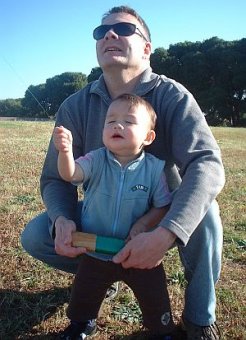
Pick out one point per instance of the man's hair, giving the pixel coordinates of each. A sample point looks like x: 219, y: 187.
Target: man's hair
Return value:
x: 129, y: 10
x: 134, y: 101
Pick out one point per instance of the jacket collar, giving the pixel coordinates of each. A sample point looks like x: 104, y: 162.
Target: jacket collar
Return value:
x: 147, y: 82
x: 130, y: 166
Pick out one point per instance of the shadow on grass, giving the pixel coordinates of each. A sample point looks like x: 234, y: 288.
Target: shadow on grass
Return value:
x: 141, y: 335
x: 21, y: 311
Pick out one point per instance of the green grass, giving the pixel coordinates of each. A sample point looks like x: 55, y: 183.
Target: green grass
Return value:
x: 34, y: 297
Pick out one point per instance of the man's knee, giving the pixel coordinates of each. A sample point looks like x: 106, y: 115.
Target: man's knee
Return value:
x: 34, y: 234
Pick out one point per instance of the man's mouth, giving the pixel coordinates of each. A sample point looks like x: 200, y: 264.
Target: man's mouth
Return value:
x: 112, y: 49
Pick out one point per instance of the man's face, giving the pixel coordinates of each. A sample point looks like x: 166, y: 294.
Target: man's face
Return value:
x: 122, y: 51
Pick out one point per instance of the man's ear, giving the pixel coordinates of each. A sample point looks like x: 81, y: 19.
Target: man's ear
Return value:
x: 149, y: 138
x: 147, y: 50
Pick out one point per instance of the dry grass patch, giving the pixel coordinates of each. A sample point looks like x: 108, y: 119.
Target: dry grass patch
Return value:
x: 34, y: 296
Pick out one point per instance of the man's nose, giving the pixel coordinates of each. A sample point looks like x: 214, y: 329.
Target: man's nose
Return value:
x: 110, y: 34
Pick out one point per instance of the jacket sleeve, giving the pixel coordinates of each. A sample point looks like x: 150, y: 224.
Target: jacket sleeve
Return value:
x: 60, y: 197
x: 194, y: 150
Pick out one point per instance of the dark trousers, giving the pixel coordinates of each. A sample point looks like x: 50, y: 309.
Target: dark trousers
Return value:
x: 95, y: 276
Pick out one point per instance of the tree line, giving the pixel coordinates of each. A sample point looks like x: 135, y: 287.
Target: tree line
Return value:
x: 213, y: 70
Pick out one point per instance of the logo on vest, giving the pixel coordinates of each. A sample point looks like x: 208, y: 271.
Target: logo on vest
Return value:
x: 140, y: 187
x: 165, y: 318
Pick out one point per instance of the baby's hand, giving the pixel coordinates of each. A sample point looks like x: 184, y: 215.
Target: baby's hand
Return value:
x: 136, y: 229
x: 63, y: 139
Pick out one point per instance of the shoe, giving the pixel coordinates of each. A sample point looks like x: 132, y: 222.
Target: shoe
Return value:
x: 160, y: 337
x: 79, y: 330
x: 195, y: 332
x: 112, y: 292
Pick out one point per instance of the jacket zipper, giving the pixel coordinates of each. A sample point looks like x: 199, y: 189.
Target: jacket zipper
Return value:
x: 118, y: 200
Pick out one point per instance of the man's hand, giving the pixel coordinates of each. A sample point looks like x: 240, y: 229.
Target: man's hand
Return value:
x: 63, y: 239
x: 146, y: 250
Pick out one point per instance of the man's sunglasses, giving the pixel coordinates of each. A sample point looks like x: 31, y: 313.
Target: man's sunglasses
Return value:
x: 124, y: 29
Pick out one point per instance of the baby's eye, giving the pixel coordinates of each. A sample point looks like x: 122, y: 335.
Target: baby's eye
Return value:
x: 111, y: 122
x: 128, y: 122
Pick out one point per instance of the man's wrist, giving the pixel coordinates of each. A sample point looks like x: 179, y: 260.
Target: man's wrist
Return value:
x: 58, y: 219
x: 167, y: 234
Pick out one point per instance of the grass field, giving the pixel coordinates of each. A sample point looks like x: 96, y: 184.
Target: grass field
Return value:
x: 34, y: 297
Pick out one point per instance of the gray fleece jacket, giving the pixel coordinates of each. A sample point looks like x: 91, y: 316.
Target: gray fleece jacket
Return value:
x: 183, y: 140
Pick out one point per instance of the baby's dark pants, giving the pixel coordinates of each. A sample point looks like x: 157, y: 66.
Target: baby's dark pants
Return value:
x: 95, y: 276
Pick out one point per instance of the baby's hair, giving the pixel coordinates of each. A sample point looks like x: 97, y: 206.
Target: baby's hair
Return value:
x: 129, y: 10
x: 133, y: 100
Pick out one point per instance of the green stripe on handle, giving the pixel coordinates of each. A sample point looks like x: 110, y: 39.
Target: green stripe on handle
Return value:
x: 108, y: 245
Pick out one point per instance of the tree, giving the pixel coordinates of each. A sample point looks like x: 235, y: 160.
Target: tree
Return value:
x: 227, y: 89
x: 214, y: 71
x: 34, y: 102
x: 158, y: 60
x: 95, y: 74
x: 61, y: 86
x: 44, y: 100
x: 11, y: 108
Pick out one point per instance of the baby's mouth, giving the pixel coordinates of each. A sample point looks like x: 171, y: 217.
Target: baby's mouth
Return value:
x: 116, y: 135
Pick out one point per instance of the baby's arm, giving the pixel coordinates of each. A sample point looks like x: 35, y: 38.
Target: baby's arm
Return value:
x: 148, y: 221
x: 67, y: 167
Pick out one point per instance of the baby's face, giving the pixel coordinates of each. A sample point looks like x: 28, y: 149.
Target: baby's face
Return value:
x: 125, y: 128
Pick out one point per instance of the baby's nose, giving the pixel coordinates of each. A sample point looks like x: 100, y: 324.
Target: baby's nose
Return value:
x: 118, y: 126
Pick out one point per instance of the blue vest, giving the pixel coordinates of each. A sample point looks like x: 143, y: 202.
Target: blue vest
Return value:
x: 115, y: 197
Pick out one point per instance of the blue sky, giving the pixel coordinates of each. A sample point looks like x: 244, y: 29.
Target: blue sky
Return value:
x: 44, y: 38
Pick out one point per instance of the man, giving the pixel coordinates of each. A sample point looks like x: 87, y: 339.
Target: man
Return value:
x: 194, y: 168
